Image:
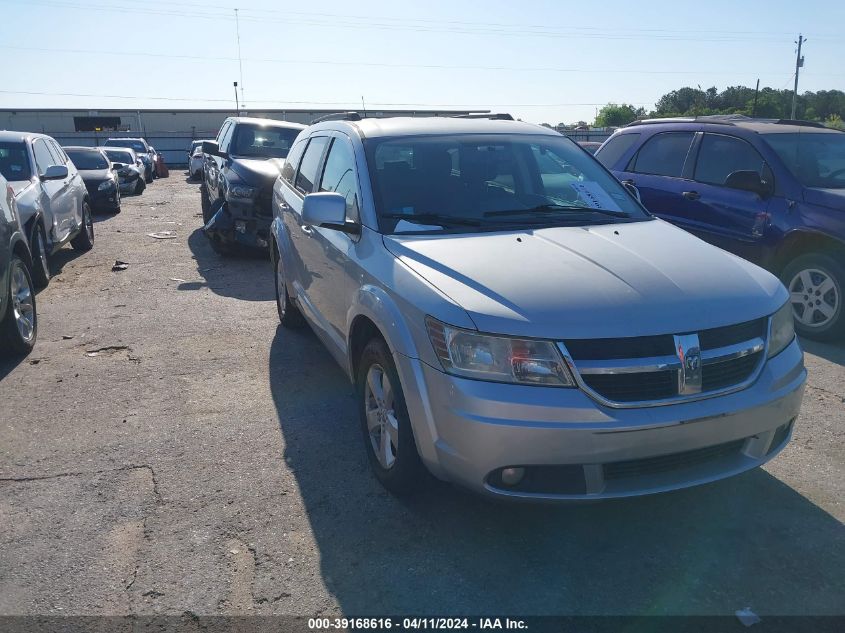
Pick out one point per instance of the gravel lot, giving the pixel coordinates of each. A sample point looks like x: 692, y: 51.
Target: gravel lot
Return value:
x: 166, y: 448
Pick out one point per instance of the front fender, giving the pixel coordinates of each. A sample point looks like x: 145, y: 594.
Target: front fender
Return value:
x: 373, y: 302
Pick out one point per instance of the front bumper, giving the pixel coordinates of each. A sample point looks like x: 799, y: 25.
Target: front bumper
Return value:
x: 575, y: 448
x: 244, y: 224
x: 104, y: 200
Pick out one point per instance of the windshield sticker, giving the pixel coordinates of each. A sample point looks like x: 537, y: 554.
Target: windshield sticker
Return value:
x: 594, y: 196
x: 403, y: 226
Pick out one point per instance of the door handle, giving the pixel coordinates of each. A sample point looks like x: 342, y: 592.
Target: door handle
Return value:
x: 691, y: 195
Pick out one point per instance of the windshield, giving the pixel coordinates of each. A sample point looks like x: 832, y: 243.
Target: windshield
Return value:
x: 120, y: 157
x: 138, y: 146
x: 816, y: 159
x: 87, y: 159
x: 14, y: 162
x: 426, y: 183
x: 262, y: 142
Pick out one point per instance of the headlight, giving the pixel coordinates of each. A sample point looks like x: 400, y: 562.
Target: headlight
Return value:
x: 783, y: 330
x: 242, y: 191
x: 106, y: 185
x: 497, y: 358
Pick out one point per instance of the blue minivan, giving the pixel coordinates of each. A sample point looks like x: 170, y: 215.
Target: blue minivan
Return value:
x: 771, y: 191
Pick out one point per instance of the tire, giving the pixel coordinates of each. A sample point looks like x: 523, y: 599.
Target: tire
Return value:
x: 289, y: 315
x: 18, y: 338
x: 816, y: 283
x: 40, y: 263
x: 206, y: 205
x: 381, y: 413
x: 140, y: 185
x: 148, y: 175
x: 84, y: 241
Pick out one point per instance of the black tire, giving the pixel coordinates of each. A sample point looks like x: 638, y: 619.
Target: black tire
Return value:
x: 407, y: 473
x: 833, y: 327
x: 289, y: 314
x: 84, y: 240
x: 40, y: 261
x: 206, y: 205
x: 11, y: 339
x: 148, y: 175
x: 140, y: 185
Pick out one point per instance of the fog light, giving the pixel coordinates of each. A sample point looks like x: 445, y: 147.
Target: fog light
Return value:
x: 512, y: 476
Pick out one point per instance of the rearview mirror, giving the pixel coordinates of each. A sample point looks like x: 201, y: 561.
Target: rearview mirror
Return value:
x: 327, y: 209
x: 55, y: 172
x: 748, y: 180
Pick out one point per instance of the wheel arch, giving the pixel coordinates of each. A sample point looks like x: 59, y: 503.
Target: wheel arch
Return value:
x: 801, y: 242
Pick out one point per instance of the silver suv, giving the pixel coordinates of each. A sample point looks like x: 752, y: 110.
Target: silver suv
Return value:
x: 515, y: 321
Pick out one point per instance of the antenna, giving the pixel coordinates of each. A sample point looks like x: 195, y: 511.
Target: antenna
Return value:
x: 240, y: 59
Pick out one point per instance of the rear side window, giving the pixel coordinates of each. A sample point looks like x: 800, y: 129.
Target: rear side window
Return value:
x: 307, y: 175
x: 226, y: 137
x: 615, y: 148
x: 664, y: 154
x: 292, y: 161
x: 57, y: 153
x: 43, y: 157
x: 222, y: 132
x: 339, y: 176
x: 722, y: 155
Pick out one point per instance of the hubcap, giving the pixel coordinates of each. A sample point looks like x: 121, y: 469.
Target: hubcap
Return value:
x: 23, y: 305
x: 382, y: 425
x: 815, y: 297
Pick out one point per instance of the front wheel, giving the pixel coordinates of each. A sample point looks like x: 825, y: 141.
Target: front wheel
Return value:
x: 385, y: 423
x: 140, y: 185
x: 84, y: 241
x: 815, y: 282
x: 19, y: 326
x: 289, y: 315
x: 40, y: 265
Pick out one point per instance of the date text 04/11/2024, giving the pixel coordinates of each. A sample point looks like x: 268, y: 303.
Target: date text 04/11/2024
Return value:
x: 415, y: 623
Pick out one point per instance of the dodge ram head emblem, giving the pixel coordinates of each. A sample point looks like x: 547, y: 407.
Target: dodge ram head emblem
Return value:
x: 688, y: 351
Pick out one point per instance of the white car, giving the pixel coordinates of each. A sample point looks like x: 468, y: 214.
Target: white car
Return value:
x: 195, y: 162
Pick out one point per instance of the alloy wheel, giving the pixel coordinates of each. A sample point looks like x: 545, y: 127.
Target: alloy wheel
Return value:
x: 23, y: 305
x: 382, y: 425
x: 815, y: 297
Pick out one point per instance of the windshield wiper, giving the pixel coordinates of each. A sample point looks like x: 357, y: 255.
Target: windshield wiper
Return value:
x: 546, y: 208
x: 433, y: 219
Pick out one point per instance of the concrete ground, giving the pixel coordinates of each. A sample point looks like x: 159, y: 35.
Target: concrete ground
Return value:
x: 167, y: 448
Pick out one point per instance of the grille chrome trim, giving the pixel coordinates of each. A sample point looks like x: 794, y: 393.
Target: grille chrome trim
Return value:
x: 664, y: 363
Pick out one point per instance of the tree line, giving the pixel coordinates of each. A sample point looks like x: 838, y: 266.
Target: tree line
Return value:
x: 827, y: 106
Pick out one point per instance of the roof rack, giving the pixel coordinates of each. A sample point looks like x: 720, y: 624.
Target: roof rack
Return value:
x: 800, y: 122
x: 493, y: 116
x: 338, y: 116
x: 728, y: 119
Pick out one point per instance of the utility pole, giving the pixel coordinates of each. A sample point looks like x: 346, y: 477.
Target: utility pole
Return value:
x: 237, y: 106
x: 756, y: 92
x: 240, y: 60
x: 799, y: 63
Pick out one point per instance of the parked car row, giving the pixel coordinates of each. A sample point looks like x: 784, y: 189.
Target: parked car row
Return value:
x: 512, y: 318
x: 49, y: 196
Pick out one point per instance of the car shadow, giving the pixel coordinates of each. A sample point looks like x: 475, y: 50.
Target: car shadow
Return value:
x: 749, y: 540
x: 248, y: 277
x: 835, y: 353
x: 62, y: 258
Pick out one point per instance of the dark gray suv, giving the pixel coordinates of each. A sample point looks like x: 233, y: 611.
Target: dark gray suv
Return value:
x: 18, y: 320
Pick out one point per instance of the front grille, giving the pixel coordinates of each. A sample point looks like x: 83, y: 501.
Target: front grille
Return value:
x: 648, y: 368
x: 655, y: 385
x: 727, y: 373
x: 667, y: 463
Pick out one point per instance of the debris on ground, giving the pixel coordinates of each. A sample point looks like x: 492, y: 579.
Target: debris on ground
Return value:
x: 178, y: 280
x: 747, y: 616
x: 109, y: 349
x: 163, y: 235
x: 66, y: 337
x: 119, y: 265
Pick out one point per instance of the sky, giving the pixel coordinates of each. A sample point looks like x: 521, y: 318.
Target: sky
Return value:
x: 541, y: 60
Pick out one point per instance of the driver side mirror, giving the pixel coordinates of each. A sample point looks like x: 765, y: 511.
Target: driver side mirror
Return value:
x: 55, y: 172
x: 749, y: 180
x: 213, y: 148
x: 117, y: 166
x: 327, y: 209
x: 633, y: 190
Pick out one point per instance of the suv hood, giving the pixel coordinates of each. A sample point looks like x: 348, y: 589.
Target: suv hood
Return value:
x: 604, y: 281
x: 830, y: 198
x: 257, y: 171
